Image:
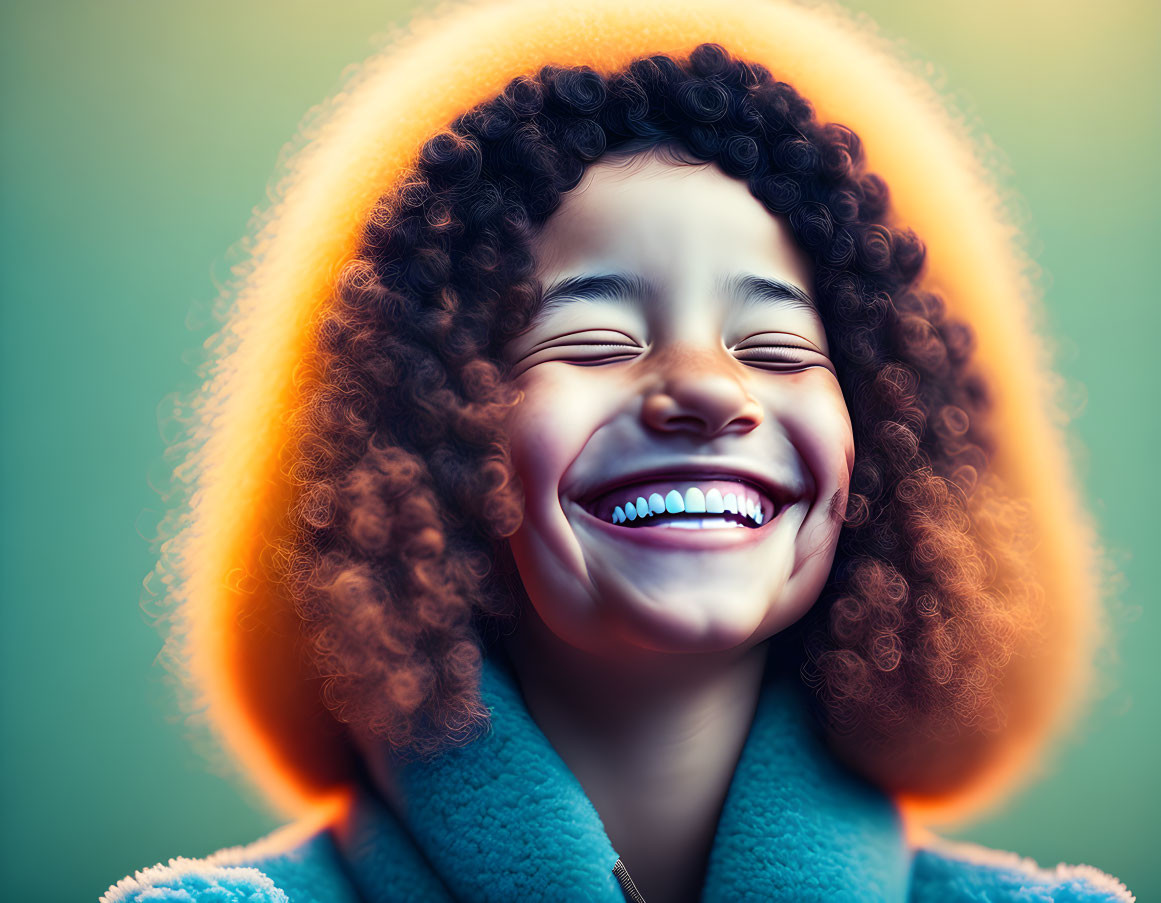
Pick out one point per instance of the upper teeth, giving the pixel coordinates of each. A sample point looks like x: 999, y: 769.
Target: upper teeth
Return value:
x: 694, y: 501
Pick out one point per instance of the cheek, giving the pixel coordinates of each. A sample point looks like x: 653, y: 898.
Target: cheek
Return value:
x: 546, y: 432
x: 842, y: 457
x: 820, y: 428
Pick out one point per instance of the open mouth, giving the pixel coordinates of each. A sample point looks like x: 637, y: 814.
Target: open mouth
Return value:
x: 685, y: 504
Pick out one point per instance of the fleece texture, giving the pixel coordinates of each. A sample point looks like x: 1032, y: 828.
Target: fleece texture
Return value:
x: 504, y: 819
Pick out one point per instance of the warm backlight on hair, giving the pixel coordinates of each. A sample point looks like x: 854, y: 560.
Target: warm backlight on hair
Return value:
x: 242, y: 640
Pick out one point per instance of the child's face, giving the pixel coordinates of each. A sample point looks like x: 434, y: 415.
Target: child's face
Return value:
x: 684, y: 382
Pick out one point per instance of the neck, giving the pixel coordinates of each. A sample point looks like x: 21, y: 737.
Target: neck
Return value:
x: 653, y: 741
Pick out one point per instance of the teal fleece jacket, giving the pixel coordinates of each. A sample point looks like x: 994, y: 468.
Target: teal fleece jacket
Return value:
x: 504, y: 819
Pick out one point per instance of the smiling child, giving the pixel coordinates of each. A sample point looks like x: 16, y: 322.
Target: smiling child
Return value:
x: 603, y: 492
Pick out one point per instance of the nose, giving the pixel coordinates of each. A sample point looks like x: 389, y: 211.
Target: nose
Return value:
x: 697, y: 395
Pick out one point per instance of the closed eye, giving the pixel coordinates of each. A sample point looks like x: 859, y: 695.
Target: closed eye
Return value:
x: 593, y: 353
x: 585, y: 348
x: 766, y: 353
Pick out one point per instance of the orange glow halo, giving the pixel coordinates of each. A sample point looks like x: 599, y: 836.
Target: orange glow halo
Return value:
x: 239, y: 635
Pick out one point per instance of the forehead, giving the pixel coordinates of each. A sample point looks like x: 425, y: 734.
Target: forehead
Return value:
x: 643, y: 207
x: 675, y: 229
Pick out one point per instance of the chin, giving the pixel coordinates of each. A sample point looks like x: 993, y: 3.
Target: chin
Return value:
x: 687, y: 623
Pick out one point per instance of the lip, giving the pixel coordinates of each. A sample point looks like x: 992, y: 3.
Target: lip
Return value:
x: 688, y: 540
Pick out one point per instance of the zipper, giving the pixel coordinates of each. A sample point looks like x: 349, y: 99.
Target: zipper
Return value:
x: 627, y: 884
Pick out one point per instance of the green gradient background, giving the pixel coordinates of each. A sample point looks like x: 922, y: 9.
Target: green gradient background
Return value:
x: 136, y: 140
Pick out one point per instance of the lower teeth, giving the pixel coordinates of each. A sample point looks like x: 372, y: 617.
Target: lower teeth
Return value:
x: 709, y: 523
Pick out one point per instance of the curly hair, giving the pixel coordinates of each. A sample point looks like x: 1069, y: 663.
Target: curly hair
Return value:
x: 399, y: 568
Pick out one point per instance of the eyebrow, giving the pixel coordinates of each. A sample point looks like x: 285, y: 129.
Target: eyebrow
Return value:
x: 607, y: 287
x: 619, y: 287
x: 755, y: 290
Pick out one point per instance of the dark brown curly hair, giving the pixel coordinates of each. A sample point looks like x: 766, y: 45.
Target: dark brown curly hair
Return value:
x: 399, y: 568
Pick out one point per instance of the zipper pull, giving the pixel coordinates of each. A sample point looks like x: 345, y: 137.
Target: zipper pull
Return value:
x: 627, y: 884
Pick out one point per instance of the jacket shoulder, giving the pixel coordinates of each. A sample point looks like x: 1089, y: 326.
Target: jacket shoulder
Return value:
x: 952, y: 872
x: 286, y: 867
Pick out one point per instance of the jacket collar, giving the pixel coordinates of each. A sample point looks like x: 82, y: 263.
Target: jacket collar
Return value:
x: 504, y: 819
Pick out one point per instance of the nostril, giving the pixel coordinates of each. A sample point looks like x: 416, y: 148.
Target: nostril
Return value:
x: 695, y: 424
x: 693, y: 401
x: 687, y: 423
